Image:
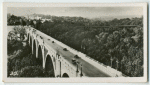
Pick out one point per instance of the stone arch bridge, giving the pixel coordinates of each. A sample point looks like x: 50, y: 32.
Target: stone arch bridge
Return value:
x: 63, y: 60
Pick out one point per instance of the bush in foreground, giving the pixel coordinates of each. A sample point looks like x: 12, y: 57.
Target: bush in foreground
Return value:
x: 32, y: 71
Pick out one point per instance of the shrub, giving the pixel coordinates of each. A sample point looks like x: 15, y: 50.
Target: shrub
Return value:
x: 31, y: 71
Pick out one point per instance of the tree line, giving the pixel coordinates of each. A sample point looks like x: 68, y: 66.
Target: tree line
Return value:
x: 117, y: 43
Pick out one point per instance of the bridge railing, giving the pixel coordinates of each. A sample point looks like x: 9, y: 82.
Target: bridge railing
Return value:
x: 100, y: 66
x: 106, y: 69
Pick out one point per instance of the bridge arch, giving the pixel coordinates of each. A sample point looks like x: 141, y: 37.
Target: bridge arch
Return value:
x: 28, y: 37
x: 40, y: 56
x: 49, y: 66
x: 65, y: 75
x: 30, y: 41
x: 30, y: 44
x: 34, y: 48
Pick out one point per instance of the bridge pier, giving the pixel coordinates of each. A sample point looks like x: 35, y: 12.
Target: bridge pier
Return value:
x: 57, y: 65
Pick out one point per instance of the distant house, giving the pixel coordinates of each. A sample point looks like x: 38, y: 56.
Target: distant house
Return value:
x: 43, y: 20
x: 37, y: 17
x: 32, y: 17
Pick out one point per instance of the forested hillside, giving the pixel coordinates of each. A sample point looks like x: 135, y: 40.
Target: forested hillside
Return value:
x: 118, y: 40
x: 21, y: 62
x: 117, y: 43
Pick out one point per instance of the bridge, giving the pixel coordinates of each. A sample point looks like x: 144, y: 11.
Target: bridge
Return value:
x: 63, y: 60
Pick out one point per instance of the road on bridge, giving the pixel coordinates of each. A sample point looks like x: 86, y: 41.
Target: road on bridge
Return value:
x: 88, y: 69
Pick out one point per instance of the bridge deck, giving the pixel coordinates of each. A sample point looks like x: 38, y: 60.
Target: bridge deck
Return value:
x: 87, y: 68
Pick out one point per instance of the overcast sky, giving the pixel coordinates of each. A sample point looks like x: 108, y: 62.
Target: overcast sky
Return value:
x: 88, y: 12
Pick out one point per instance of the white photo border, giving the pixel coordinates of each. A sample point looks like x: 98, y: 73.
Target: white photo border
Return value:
x: 73, y: 80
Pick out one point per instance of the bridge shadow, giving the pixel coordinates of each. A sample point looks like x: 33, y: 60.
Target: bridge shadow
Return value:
x: 34, y: 52
x: 31, y: 43
x: 34, y: 48
x: 49, y: 69
x: 65, y: 75
x: 40, y: 57
x: 28, y: 37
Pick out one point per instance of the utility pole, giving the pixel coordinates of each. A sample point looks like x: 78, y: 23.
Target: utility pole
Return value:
x: 121, y: 65
x: 111, y: 59
x: 117, y: 63
x: 77, y: 71
x: 81, y: 71
x: 81, y: 47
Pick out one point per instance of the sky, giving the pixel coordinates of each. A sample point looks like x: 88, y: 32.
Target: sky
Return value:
x: 87, y: 12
